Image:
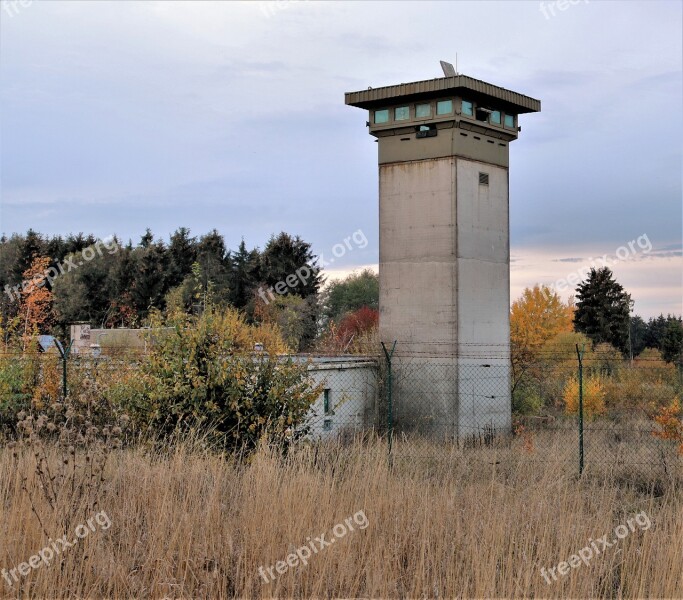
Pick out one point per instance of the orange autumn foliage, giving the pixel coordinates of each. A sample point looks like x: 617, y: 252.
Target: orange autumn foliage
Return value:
x: 36, y: 298
x: 538, y: 316
x: 669, y: 419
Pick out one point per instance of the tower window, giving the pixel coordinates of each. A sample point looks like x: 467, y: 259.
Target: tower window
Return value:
x: 483, y: 178
x: 444, y: 107
x: 510, y: 121
x: 402, y: 113
x: 423, y: 111
x: 326, y: 401
x: 467, y: 108
x: 382, y: 116
x: 495, y: 117
x: 483, y: 114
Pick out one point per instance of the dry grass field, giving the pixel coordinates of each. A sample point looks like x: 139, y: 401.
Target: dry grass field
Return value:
x: 188, y: 524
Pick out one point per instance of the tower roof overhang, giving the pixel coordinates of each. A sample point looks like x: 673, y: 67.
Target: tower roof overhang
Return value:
x: 443, y: 86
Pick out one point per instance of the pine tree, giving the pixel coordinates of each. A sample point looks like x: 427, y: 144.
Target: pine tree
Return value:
x: 244, y: 275
x: 212, y: 256
x: 602, y: 310
x: 284, y: 255
x: 672, y: 343
x: 182, y: 253
x: 638, y: 335
x: 31, y: 247
x: 150, y: 283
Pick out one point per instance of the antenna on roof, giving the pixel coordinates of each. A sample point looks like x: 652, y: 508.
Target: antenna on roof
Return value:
x: 448, y: 68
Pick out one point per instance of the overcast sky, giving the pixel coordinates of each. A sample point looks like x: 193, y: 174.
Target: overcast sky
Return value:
x: 117, y: 116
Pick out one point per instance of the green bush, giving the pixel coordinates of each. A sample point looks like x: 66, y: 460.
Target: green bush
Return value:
x: 526, y: 399
x: 18, y: 378
x: 203, y: 375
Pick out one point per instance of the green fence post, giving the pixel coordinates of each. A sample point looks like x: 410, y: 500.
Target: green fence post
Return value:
x: 390, y: 408
x: 64, y: 353
x: 579, y: 354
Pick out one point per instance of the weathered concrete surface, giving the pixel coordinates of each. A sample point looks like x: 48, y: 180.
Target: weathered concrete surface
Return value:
x: 444, y: 247
x: 444, y: 293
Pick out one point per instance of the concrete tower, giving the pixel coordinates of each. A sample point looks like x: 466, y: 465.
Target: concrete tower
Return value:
x: 445, y: 247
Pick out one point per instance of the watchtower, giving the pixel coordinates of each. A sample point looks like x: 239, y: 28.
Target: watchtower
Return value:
x: 444, y: 245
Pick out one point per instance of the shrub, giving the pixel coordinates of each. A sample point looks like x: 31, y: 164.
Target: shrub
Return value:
x: 526, y: 399
x: 670, y: 422
x: 19, y: 379
x: 204, y: 375
x: 593, y: 396
x: 637, y: 388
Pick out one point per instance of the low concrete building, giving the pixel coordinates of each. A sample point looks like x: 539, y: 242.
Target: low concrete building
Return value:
x: 88, y: 341
x: 349, y: 401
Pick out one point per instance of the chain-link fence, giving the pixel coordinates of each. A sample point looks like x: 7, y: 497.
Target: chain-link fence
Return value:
x: 602, y: 415
x: 599, y: 412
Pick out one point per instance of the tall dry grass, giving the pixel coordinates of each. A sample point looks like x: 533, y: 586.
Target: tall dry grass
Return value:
x: 188, y: 524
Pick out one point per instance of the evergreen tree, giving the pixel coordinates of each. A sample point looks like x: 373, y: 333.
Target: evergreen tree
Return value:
x: 602, y: 309
x: 121, y: 311
x: 182, y: 253
x: 244, y: 275
x: 213, y: 258
x: 56, y: 248
x: 31, y: 247
x: 150, y: 283
x: 147, y: 239
x: 75, y: 243
x: 672, y: 343
x: 638, y: 328
x: 290, y: 257
x: 10, y: 250
x: 656, y: 327
x: 286, y: 255
x: 83, y: 293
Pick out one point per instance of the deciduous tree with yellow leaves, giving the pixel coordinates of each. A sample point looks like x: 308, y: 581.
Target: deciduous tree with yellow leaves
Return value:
x: 538, y: 316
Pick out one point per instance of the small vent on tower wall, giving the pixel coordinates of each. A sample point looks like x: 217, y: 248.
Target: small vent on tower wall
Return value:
x: 483, y: 178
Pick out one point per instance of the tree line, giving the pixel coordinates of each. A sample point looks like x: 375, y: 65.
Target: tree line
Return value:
x: 546, y: 331
x: 121, y: 288
x: 124, y: 285
x: 601, y: 310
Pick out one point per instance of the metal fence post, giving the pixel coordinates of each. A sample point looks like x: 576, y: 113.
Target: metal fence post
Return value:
x: 64, y: 353
x: 579, y: 354
x: 390, y: 407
